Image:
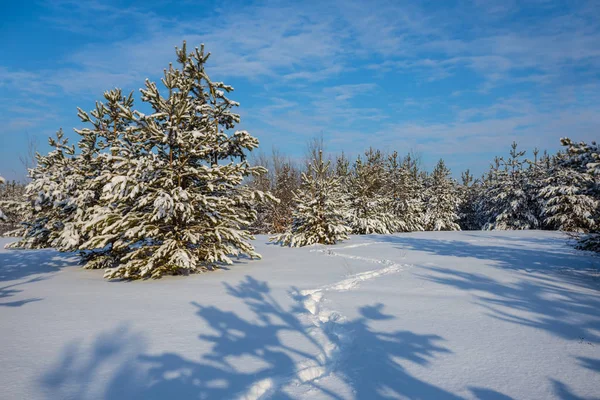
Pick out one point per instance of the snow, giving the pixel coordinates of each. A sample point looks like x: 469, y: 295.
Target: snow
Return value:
x: 428, y: 315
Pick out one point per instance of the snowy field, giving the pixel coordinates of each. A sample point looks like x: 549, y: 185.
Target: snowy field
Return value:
x: 451, y: 315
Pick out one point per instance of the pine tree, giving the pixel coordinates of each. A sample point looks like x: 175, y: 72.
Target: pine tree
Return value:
x: 287, y: 182
x: 442, y: 200
x: 405, y: 188
x: 174, y: 202
x: 282, y: 181
x: 468, y: 207
x: 510, y: 206
x: 49, y: 195
x: 319, y: 216
x: 485, y: 203
x: 264, y: 183
x: 2, y: 215
x: 584, y: 161
x: 535, y: 175
x: 15, y: 208
x: 368, y: 200
x: 568, y: 204
x: 342, y: 170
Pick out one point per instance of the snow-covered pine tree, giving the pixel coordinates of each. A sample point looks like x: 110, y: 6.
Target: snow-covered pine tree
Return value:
x: 109, y: 148
x: 368, y: 198
x: 282, y: 180
x: 287, y: 182
x: 468, y: 213
x: 342, y: 170
x: 15, y: 208
x: 404, y: 187
x: 510, y: 204
x: 485, y: 205
x: 182, y: 207
x: 264, y: 183
x: 2, y: 215
x: 585, y: 158
x: 50, y: 195
x: 535, y: 175
x: 319, y: 216
x: 442, y: 200
x: 569, y: 205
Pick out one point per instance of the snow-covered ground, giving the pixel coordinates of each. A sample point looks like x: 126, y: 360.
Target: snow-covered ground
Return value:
x: 478, y: 315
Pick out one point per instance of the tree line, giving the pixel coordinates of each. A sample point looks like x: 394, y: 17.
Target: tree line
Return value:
x: 387, y: 193
x: 173, y: 192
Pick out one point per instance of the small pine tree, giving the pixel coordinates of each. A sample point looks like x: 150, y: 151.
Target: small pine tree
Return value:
x: 368, y: 201
x: 405, y: 188
x: 584, y: 159
x: 264, y: 183
x: 319, y: 216
x: 49, y: 195
x: 2, y: 215
x: 442, y: 201
x: 510, y: 206
x: 15, y: 208
x: 287, y: 182
x: 568, y: 205
x: 468, y: 207
x: 535, y: 175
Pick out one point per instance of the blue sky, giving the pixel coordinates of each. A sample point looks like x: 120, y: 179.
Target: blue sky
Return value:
x: 452, y: 79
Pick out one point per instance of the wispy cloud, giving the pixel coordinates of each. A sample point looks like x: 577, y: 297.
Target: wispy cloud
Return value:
x: 446, y: 77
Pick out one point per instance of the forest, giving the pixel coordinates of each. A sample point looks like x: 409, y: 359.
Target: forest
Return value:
x: 179, y: 191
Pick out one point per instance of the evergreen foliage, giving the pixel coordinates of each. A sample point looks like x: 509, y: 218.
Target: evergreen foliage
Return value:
x: 569, y: 205
x: 287, y: 181
x: 2, y: 215
x: 282, y: 180
x: 368, y: 199
x: 442, y: 200
x: 510, y: 205
x: 182, y: 196
x: 149, y: 195
x: 405, y: 188
x: 49, y: 195
x: 584, y: 159
x: 469, y: 195
x: 14, y: 208
x: 319, y: 215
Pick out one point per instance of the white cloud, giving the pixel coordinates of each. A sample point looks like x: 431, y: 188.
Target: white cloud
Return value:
x: 317, y: 63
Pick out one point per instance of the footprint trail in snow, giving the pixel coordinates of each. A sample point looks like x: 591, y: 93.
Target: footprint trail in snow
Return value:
x: 326, y: 327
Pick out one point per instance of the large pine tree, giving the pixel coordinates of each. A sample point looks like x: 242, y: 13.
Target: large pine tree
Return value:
x: 442, y: 200
x: 319, y: 216
x: 175, y: 203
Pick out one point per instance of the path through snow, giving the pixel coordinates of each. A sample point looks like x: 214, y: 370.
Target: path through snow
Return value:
x: 325, y: 323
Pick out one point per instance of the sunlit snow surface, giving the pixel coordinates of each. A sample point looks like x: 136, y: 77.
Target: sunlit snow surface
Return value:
x: 455, y: 315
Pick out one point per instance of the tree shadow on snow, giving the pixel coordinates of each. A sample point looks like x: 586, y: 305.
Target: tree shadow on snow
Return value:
x: 37, y: 265
x: 552, y: 260
x: 537, y: 304
x: 9, y: 291
x: 20, y: 264
x: 538, y: 300
x: 268, y: 353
